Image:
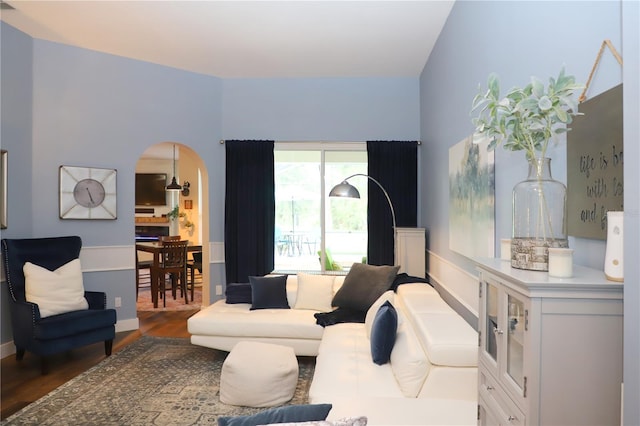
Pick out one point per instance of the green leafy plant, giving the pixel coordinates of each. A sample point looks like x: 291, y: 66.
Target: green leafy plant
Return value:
x: 175, y: 213
x: 525, y: 118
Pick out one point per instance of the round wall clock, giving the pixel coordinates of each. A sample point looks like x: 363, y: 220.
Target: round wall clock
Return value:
x: 87, y: 193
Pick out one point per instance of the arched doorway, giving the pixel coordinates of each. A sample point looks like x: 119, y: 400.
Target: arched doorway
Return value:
x: 153, y: 209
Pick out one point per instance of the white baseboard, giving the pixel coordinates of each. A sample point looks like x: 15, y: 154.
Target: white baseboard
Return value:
x: 127, y: 325
x: 7, y: 349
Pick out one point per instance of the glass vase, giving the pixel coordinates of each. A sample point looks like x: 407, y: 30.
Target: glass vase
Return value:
x: 539, y: 217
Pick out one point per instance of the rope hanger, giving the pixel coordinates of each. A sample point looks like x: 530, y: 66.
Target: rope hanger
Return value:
x: 615, y: 53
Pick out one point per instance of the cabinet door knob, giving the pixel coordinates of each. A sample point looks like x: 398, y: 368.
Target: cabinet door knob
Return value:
x: 511, y: 418
x: 490, y: 388
x: 498, y: 331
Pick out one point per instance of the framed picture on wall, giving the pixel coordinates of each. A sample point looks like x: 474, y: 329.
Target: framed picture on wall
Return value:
x: 595, y: 165
x: 471, y: 199
x: 87, y: 193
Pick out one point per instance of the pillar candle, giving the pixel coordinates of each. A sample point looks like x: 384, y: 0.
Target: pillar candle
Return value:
x: 560, y: 262
x: 505, y: 249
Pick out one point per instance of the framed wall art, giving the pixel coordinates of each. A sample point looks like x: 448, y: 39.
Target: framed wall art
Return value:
x: 471, y: 199
x: 595, y: 165
x: 87, y: 193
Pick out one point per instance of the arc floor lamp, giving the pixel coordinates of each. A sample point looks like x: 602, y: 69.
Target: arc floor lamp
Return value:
x: 345, y: 189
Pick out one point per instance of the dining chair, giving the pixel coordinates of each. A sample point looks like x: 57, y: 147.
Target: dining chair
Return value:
x: 173, y: 278
x: 170, y: 238
x: 173, y: 262
x: 192, y: 265
x: 142, y: 265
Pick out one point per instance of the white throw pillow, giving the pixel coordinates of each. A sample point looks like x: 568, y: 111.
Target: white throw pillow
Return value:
x: 373, y: 310
x: 315, y: 292
x: 55, y: 292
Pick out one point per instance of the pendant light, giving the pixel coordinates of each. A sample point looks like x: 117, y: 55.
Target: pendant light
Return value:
x: 174, y: 185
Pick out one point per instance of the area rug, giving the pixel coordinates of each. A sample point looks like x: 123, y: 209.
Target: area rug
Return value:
x: 144, y: 301
x: 153, y: 381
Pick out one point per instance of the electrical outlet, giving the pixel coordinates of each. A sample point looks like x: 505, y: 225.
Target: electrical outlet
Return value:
x: 218, y: 290
x: 118, y: 302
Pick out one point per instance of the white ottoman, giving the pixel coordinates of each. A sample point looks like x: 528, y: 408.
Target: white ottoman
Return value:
x: 258, y: 375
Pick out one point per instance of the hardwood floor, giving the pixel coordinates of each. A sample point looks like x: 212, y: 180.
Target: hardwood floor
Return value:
x: 23, y: 383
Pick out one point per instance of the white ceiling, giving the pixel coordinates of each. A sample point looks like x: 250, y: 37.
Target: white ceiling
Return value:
x: 252, y: 39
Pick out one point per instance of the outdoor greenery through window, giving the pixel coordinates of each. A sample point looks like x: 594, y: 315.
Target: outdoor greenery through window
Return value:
x: 308, y: 222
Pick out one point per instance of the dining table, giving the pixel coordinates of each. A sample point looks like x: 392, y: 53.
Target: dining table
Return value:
x: 155, y: 248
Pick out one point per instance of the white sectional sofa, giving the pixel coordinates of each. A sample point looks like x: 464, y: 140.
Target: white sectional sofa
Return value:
x: 431, y: 378
x: 222, y: 325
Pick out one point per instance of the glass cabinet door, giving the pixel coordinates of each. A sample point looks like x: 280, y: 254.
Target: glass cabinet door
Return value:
x: 491, y: 314
x: 515, y: 339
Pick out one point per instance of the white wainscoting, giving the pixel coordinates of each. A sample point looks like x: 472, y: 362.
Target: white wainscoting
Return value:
x: 107, y: 258
x: 216, y: 252
x: 117, y: 258
x: 459, y: 283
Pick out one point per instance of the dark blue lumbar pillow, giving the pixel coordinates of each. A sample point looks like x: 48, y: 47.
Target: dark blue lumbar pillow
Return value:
x: 286, y: 414
x: 238, y: 293
x: 269, y: 292
x: 383, y: 333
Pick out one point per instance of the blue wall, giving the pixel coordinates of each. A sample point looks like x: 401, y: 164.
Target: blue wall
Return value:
x: 631, y: 103
x: 100, y: 110
x: 323, y: 109
x: 104, y: 111
x: 15, y: 137
x: 65, y: 105
x: 483, y: 37
x: 517, y: 40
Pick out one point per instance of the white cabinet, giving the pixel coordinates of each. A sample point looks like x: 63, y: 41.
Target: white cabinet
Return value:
x: 410, y: 251
x: 550, y: 349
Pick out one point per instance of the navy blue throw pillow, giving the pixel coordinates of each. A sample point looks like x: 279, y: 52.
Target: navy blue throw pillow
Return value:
x: 238, y: 293
x: 269, y: 292
x: 286, y: 414
x: 383, y: 333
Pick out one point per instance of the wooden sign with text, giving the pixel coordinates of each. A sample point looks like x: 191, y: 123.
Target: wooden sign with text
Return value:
x: 595, y: 165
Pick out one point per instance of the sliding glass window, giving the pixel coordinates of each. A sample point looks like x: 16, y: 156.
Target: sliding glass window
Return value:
x: 315, y: 233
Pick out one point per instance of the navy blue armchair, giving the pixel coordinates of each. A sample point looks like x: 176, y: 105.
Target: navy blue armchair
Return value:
x: 56, y: 333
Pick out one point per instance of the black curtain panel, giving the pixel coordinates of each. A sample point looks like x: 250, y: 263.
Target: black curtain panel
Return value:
x: 395, y: 165
x: 249, y: 209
